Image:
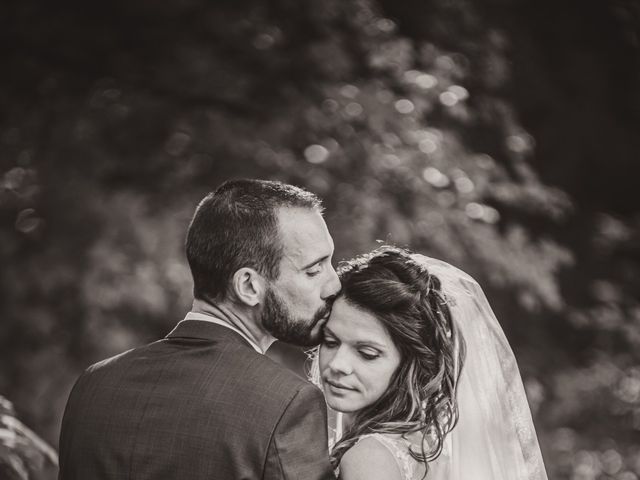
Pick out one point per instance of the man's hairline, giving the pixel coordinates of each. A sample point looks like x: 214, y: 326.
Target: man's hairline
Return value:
x: 279, y: 238
x: 301, y: 208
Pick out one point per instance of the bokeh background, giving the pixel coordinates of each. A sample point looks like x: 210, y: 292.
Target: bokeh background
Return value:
x: 500, y: 135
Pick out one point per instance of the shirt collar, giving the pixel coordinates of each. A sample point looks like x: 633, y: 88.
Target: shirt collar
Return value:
x: 208, y: 318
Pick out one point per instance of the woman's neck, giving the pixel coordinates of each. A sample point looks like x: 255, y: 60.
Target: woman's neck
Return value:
x: 347, y: 420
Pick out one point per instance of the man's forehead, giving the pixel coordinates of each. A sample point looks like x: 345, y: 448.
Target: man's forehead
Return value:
x: 303, y: 234
x: 297, y: 220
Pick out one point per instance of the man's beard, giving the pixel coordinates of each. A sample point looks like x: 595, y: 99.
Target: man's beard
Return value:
x: 278, y: 320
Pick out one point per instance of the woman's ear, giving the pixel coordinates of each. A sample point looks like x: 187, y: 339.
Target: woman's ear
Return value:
x: 248, y: 286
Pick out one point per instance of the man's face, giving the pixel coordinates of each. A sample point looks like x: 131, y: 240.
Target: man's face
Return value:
x: 297, y: 304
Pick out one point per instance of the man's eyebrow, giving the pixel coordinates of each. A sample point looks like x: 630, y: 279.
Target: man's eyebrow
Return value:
x: 315, y: 262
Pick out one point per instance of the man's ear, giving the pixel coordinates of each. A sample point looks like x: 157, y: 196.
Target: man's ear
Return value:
x: 248, y: 286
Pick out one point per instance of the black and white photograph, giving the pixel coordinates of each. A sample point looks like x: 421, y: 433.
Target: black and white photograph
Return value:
x: 320, y: 240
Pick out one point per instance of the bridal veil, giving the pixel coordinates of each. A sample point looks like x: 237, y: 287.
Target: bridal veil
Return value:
x: 494, y: 438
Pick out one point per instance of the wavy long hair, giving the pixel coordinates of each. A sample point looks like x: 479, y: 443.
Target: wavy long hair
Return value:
x: 409, y: 302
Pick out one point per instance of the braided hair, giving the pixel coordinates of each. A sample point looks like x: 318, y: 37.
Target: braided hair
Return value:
x: 409, y: 302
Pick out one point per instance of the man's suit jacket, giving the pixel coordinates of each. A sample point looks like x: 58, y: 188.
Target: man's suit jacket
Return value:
x: 199, y: 404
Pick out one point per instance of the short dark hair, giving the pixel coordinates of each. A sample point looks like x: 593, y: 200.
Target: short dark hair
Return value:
x: 236, y: 226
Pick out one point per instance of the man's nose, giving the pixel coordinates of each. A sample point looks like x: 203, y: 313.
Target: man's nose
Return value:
x: 332, y: 286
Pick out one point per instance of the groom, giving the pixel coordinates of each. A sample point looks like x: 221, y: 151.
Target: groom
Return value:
x: 205, y: 402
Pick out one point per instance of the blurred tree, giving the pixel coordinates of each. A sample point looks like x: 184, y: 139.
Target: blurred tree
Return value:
x: 434, y: 124
x: 23, y: 454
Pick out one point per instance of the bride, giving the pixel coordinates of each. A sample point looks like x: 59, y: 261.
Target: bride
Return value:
x: 422, y: 377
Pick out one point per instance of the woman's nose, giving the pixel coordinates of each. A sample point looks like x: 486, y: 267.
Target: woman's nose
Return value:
x: 340, y: 363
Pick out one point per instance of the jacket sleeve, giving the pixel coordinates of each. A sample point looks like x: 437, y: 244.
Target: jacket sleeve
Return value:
x: 298, y: 448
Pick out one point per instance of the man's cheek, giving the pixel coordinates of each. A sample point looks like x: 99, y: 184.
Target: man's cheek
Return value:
x: 300, y: 294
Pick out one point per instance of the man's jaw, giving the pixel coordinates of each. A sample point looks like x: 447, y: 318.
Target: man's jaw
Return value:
x: 320, y: 319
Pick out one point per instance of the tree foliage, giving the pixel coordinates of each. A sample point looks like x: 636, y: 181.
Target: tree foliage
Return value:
x: 23, y: 454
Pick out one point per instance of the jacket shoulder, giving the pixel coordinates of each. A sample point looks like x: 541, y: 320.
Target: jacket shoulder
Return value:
x: 263, y: 373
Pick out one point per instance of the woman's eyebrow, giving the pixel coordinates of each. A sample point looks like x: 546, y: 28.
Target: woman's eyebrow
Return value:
x: 371, y: 343
x: 359, y: 343
x: 329, y: 331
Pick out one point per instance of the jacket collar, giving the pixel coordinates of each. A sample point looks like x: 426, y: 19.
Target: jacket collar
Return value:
x: 203, y: 330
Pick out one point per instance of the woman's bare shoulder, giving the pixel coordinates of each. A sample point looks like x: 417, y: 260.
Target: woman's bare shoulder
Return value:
x: 369, y: 459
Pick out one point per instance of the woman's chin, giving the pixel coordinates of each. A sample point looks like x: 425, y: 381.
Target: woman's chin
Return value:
x: 340, y: 404
x: 335, y: 406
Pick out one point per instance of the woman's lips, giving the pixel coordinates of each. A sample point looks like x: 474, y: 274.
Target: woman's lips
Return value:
x: 338, y: 386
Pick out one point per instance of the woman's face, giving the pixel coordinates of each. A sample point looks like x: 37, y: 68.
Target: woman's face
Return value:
x: 357, y: 358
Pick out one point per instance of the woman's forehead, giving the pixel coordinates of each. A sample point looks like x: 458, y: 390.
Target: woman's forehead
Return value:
x: 355, y: 324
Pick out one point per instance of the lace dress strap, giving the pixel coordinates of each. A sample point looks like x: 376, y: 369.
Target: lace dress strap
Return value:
x: 399, y: 448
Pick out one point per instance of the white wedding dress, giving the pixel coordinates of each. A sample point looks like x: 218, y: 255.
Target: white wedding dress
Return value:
x: 398, y: 446
x: 494, y: 438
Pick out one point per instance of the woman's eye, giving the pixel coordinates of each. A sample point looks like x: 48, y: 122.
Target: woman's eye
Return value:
x: 329, y: 343
x: 368, y: 355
